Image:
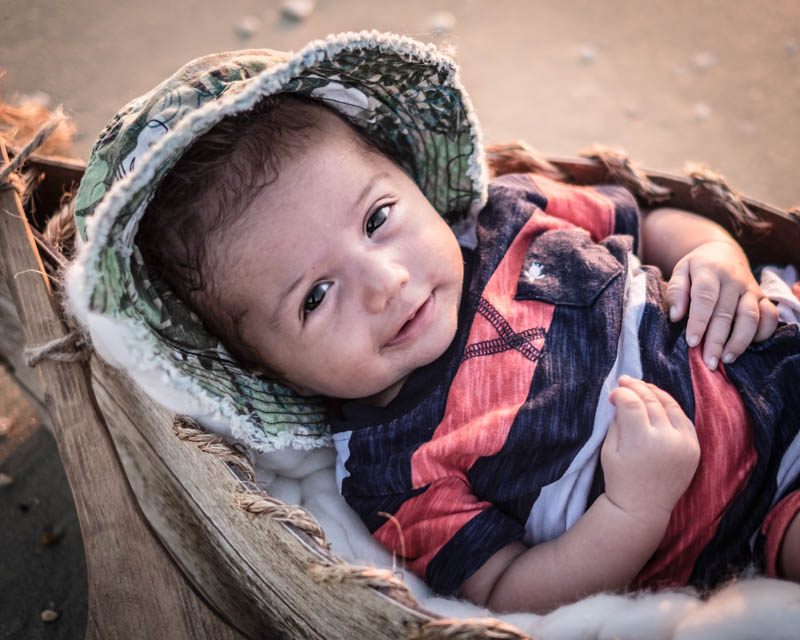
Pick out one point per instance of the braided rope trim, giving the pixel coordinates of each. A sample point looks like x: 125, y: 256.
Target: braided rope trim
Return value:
x: 188, y: 430
x: 13, y: 181
x: 519, y: 157
x: 716, y: 186
x: 383, y: 580
x: 41, y: 135
x: 71, y: 347
x: 262, y: 503
x: 467, y: 629
x: 622, y: 171
x: 334, y: 570
x: 74, y: 346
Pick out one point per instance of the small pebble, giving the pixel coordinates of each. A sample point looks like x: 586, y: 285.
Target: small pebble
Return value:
x: 791, y: 47
x: 441, y: 22
x: 51, y: 536
x: 587, y: 53
x: 704, y: 60
x: 702, y: 111
x: 297, y: 10
x: 6, y: 480
x: 247, y: 26
x: 48, y: 615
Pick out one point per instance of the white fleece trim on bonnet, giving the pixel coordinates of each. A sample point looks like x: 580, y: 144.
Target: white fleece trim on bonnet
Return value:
x: 130, y: 343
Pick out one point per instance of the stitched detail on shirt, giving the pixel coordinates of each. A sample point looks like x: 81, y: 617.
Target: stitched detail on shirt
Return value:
x: 508, y: 338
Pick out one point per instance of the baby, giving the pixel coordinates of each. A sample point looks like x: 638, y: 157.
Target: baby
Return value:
x: 343, y: 281
x: 527, y: 416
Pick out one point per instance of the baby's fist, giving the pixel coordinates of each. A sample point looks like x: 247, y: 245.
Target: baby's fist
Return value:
x: 651, y: 451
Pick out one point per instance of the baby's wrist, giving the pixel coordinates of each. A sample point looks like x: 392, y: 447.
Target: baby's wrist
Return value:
x: 645, y: 515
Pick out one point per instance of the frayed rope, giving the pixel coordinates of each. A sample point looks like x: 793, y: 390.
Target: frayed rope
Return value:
x: 467, y: 629
x: 69, y: 348
x: 41, y: 135
x: 622, y: 171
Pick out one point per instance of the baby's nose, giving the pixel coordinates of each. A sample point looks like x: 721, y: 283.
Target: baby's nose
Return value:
x: 384, y: 281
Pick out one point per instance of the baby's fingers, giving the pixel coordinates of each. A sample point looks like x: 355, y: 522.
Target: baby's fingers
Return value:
x: 631, y: 415
x: 677, y: 293
x: 744, y: 328
x: 675, y: 414
x: 704, y: 296
x: 729, y: 306
x: 654, y: 411
x: 767, y: 320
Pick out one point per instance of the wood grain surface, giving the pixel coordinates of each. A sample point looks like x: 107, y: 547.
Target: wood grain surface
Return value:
x: 135, y: 591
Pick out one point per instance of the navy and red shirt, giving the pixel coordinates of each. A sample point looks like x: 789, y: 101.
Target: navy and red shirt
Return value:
x: 498, y: 440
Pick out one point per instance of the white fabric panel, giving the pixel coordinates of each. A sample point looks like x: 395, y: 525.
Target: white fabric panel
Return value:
x: 561, y: 503
x: 342, y: 443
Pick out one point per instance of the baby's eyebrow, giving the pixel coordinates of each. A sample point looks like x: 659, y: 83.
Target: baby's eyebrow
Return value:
x: 275, y: 317
x: 359, y: 202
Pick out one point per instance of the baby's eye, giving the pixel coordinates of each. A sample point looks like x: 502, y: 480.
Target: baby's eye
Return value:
x: 377, y: 219
x: 315, y: 296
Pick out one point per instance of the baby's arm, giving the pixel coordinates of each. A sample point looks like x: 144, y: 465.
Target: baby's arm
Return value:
x: 709, y: 267
x: 649, y: 458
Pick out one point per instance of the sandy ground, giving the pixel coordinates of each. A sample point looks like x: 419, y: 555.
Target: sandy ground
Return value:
x: 668, y: 81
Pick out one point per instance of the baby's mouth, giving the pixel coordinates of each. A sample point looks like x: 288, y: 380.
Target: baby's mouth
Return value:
x: 415, y: 324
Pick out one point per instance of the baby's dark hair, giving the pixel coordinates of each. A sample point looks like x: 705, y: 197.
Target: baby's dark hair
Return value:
x: 204, y: 194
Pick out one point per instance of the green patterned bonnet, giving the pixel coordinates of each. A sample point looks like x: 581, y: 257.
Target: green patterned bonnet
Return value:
x: 399, y: 90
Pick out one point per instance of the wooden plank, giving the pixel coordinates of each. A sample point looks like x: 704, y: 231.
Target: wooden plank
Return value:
x: 134, y: 589
x: 12, y: 342
x: 250, y: 568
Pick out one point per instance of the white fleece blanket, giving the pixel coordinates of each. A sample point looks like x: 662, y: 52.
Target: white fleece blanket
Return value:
x: 753, y: 607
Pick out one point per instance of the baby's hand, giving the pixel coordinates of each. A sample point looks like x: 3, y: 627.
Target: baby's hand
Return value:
x: 651, y: 451
x: 723, y: 291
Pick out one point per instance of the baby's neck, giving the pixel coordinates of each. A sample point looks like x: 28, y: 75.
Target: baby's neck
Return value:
x: 383, y: 398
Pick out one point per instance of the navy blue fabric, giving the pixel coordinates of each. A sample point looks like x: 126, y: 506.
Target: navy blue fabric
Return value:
x: 767, y: 376
x: 586, y: 283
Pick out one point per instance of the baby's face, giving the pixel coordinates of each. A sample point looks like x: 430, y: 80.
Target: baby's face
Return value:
x: 349, y: 278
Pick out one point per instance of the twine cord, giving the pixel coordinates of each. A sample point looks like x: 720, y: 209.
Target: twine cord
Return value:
x: 68, y: 348
x: 622, y: 171
x: 250, y: 500
x: 41, y: 135
x: 336, y: 571
x: 71, y: 347
x: 467, y: 629
x: 12, y: 181
x: 741, y: 217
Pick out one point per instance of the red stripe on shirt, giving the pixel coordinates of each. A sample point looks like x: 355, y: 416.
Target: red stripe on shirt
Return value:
x: 582, y: 206
x: 429, y: 520
x: 727, y: 458
x: 481, y: 409
x: 774, y: 529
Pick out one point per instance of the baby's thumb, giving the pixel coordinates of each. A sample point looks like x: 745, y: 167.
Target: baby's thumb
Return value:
x: 678, y: 288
